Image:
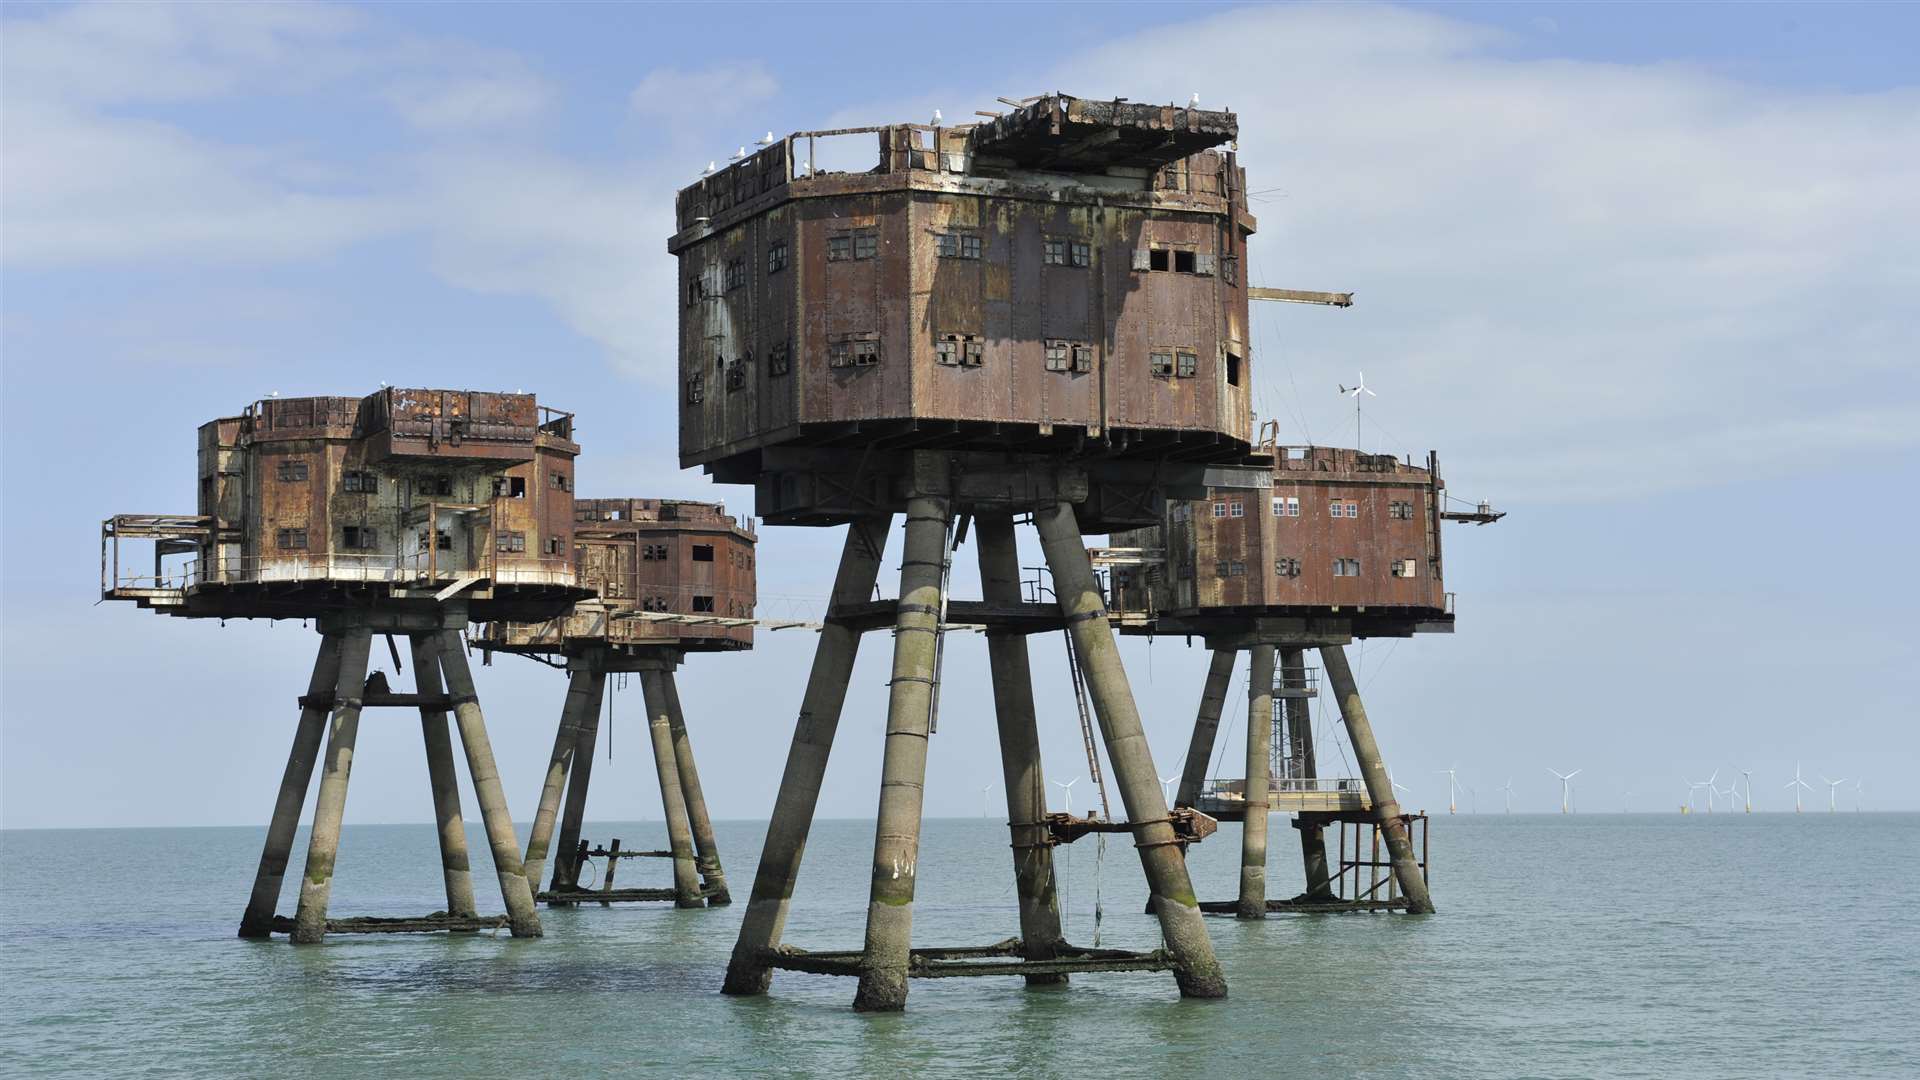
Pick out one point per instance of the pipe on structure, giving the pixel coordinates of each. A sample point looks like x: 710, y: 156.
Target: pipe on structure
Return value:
x: 1213, y: 698
x: 1196, y: 970
x: 523, y: 920
x: 1313, y: 835
x: 686, y: 876
x: 706, y: 848
x: 1366, y: 752
x: 323, y: 842
x: 583, y: 690
x: 566, y: 866
x: 1253, y: 830
x: 799, y: 795
x: 454, y: 865
x: 257, y: 921
x: 1020, y: 764
x: 903, y: 769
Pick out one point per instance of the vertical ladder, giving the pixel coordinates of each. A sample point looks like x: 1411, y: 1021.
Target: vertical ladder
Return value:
x: 1086, y: 725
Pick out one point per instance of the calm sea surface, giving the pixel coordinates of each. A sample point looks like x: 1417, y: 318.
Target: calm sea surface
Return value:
x: 1591, y: 945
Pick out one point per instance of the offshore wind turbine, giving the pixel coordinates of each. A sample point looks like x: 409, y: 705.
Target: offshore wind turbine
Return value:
x: 983, y: 799
x: 1068, y: 789
x: 1450, y: 786
x: 1566, y: 786
x: 1797, y: 785
x: 1396, y: 785
x: 1748, y: 773
x: 1509, y: 790
x: 1832, y: 787
x: 1731, y: 791
x: 1166, y: 787
x: 1711, y: 790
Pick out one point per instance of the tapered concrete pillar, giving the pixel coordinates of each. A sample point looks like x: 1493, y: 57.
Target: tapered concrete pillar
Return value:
x: 454, y: 866
x: 706, y: 850
x: 793, y: 807
x: 1020, y: 768
x: 903, y: 769
x: 1313, y: 835
x: 1206, y: 726
x: 323, y: 842
x: 505, y: 846
x: 686, y: 876
x: 257, y: 921
x: 1253, y: 830
x: 583, y: 691
x: 566, y: 864
x: 1366, y: 752
x: 1181, y: 924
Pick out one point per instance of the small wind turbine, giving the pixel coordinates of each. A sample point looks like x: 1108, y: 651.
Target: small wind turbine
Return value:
x: 983, y: 799
x: 1068, y: 789
x: 1731, y: 791
x: 1858, y: 787
x: 1566, y: 786
x: 1797, y: 785
x: 1450, y: 786
x: 1166, y: 787
x: 1355, y: 391
x: 1711, y: 790
x: 1832, y: 787
x: 1395, y: 786
x: 1748, y: 773
x: 1509, y: 790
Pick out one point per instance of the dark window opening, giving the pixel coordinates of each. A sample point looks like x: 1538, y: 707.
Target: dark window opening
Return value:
x: 1233, y: 370
x: 506, y: 541
x: 292, y: 470
x: 703, y: 553
x: 1159, y: 259
x: 553, y: 545
x: 557, y: 481
x: 737, y: 373
x: 509, y: 487
x: 776, y: 256
x: 866, y: 353
x: 779, y: 359
x: 363, y: 482
x: 1183, y: 262
x: 358, y: 538
x: 1160, y: 362
x: 1286, y: 568
x: 435, y: 485
x: 1082, y: 358
x: 703, y: 603
x: 736, y: 273
x: 696, y: 389
x: 839, y: 247
x: 653, y: 552
x: 291, y: 539
x: 1082, y: 253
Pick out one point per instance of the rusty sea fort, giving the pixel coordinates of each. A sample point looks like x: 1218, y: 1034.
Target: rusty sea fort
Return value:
x: 1763, y: 945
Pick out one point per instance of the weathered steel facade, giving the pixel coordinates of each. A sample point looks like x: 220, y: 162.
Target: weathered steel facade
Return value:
x: 1331, y: 535
x: 1065, y: 277
x: 306, y: 504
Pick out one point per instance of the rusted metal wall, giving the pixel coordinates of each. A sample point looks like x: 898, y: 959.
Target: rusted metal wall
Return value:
x: 670, y: 556
x: 1246, y: 550
x: 785, y: 277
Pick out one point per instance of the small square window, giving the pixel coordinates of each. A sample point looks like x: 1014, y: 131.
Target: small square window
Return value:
x: 434, y: 485
x: 553, y: 545
x: 839, y: 354
x: 1286, y: 568
x: 779, y: 358
x: 973, y: 351
x: 866, y: 353
x: 365, y: 483
x: 1159, y: 259
x: 1059, y: 356
x: 1403, y: 568
x: 291, y: 539
x: 1400, y: 510
x: 839, y: 247
x: 1222, y: 568
x: 557, y: 481
x: 948, y: 245
x: 1054, y: 251
x: 1189, y: 363
x: 1183, y: 262
x: 509, y: 487
x: 1083, y: 358
x: 866, y: 244
x: 1082, y: 253
x: 696, y: 388
x: 947, y: 350
x: 776, y: 256
x: 736, y: 273
x: 1230, y: 269
x: 1219, y: 509
x: 1286, y: 506
x: 1160, y: 362
x: 703, y: 553
x: 737, y: 373
x: 703, y: 603
x: 1236, y: 509
x: 969, y: 245
x: 1233, y: 370
x: 293, y: 470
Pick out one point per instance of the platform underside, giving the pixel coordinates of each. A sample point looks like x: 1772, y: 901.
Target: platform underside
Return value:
x: 314, y: 599
x: 1307, y: 626
x: 1001, y: 958
x: 422, y: 924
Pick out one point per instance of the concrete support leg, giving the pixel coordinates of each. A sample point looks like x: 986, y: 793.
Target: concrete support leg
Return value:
x: 1253, y: 831
x: 1206, y: 727
x: 454, y: 866
x: 514, y: 890
x: 1366, y: 752
x: 706, y: 849
x: 1313, y: 835
x: 903, y: 769
x: 257, y: 921
x: 686, y: 875
x: 1020, y: 768
x: 583, y: 692
x: 1181, y: 924
x: 323, y: 843
x: 773, y: 881
x: 566, y: 865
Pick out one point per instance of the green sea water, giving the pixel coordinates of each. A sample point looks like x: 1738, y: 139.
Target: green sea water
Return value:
x: 1583, y: 946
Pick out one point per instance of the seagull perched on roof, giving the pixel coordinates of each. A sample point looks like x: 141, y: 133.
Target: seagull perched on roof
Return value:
x: 708, y: 170
x: 936, y: 117
x: 740, y: 153
x: 768, y: 140
x: 1193, y: 102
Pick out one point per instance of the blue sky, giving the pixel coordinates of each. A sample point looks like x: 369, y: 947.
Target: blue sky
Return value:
x: 1642, y: 274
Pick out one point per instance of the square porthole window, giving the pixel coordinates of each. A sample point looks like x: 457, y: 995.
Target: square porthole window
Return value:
x: 1160, y: 362
x: 1189, y: 363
